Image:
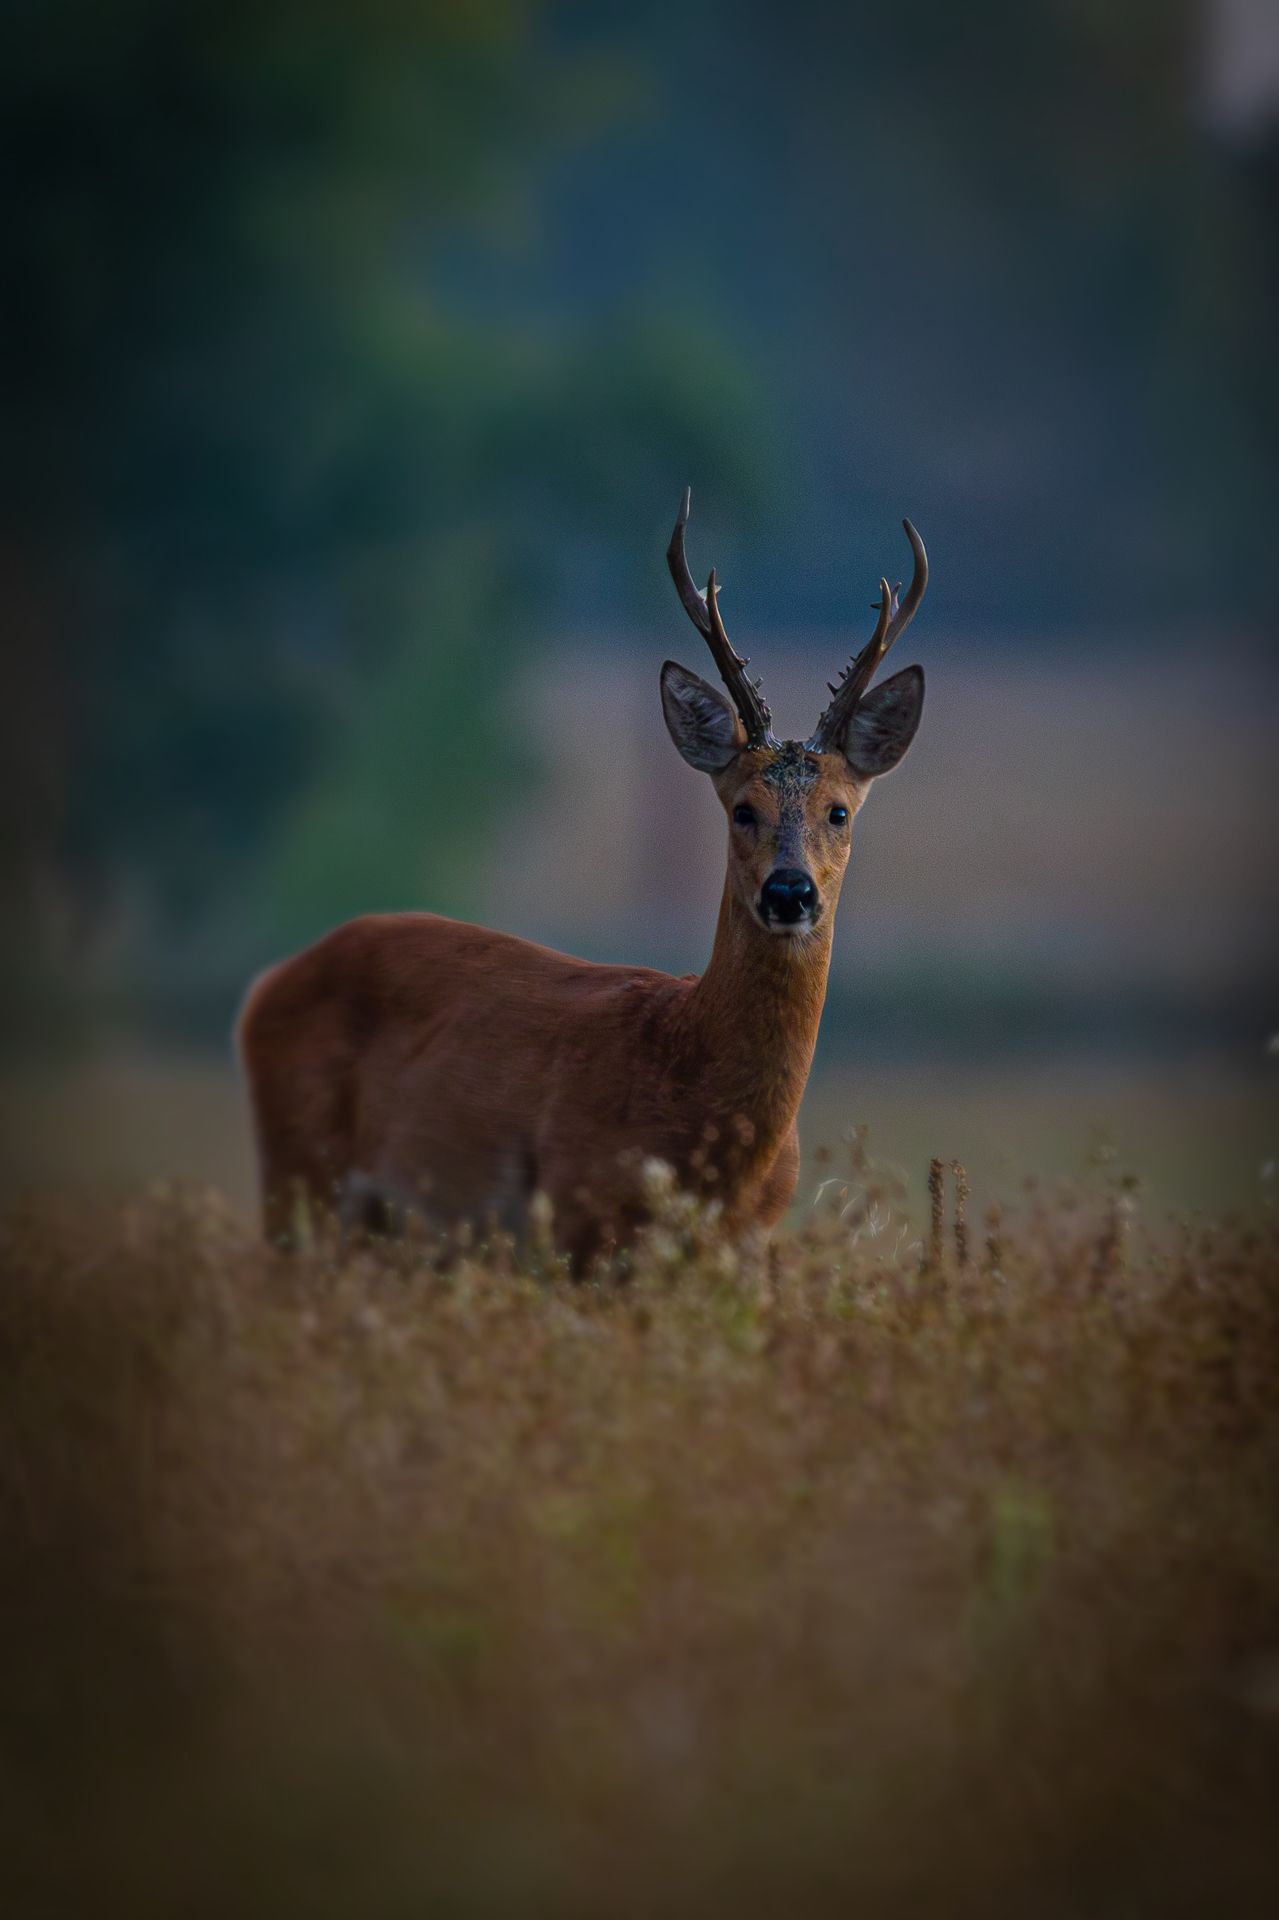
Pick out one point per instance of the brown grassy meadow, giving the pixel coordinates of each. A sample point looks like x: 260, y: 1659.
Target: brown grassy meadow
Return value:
x: 871, y: 1577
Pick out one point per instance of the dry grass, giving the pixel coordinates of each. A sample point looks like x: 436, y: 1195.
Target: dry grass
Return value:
x: 857, y: 1580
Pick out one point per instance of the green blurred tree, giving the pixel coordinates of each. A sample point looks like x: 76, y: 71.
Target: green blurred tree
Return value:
x: 277, y: 491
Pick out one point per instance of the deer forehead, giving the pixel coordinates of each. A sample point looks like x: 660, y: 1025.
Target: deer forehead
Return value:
x: 790, y: 776
x: 790, y: 770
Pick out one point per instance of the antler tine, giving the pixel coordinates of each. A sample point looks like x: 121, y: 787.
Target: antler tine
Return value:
x: 685, y: 585
x: 895, y: 615
x: 703, y: 610
x: 905, y: 613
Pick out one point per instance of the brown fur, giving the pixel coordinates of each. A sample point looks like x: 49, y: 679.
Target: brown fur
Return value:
x: 409, y: 1060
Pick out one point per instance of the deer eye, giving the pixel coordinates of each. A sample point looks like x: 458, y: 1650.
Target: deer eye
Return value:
x: 839, y: 816
x: 744, y: 816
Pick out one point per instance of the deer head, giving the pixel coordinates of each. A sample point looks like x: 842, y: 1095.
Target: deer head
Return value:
x: 791, y: 803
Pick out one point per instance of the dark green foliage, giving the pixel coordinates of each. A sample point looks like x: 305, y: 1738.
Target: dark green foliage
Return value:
x: 347, y: 349
x: 275, y: 468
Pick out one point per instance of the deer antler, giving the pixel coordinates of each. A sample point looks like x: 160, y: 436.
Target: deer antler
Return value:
x: 894, y: 617
x: 703, y: 610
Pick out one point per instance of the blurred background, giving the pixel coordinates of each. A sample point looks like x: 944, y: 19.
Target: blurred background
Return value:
x: 355, y: 360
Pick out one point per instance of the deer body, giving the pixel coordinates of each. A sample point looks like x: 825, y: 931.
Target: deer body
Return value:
x: 411, y: 1062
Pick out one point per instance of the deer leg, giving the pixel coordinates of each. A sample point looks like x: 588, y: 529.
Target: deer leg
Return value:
x: 780, y: 1182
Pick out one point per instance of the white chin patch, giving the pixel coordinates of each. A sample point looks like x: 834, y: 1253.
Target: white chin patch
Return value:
x: 788, y: 929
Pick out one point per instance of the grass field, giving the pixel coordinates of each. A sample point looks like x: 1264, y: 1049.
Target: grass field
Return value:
x: 1196, y: 1131
x: 886, y: 1575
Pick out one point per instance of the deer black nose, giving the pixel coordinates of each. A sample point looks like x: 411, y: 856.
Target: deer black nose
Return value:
x: 787, y: 896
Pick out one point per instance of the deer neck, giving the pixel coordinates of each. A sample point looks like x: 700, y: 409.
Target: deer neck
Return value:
x: 752, y: 1023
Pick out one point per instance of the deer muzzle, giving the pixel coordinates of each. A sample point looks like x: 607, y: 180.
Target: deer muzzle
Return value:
x: 788, y: 900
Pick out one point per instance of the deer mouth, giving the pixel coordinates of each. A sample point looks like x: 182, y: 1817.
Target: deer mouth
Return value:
x: 788, y: 927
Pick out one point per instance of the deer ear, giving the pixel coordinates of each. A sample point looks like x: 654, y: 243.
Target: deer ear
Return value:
x: 883, y: 724
x: 699, y: 720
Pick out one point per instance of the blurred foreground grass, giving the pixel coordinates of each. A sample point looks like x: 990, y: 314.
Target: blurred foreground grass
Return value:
x: 368, y: 1584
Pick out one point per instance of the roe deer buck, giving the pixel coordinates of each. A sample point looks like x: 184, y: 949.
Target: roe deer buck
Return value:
x: 409, y: 1061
